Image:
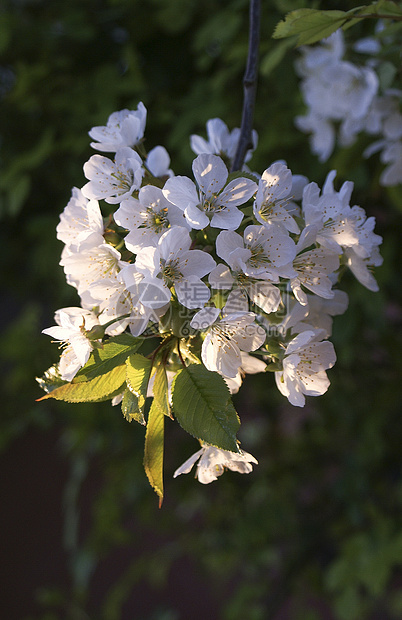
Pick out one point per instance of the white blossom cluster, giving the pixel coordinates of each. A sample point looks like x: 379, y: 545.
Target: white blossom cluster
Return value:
x: 250, y: 262
x: 344, y: 99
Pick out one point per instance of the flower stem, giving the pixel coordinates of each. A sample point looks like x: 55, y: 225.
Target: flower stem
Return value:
x: 249, y: 87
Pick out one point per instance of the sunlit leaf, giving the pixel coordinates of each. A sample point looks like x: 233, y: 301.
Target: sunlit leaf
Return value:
x: 114, y: 353
x: 202, y: 406
x: 153, y: 451
x: 97, y: 389
x: 131, y: 409
x: 138, y: 371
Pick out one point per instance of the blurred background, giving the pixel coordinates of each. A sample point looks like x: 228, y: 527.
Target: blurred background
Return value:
x: 315, y: 532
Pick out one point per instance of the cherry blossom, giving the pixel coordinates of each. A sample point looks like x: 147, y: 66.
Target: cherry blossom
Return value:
x: 81, y: 223
x: 158, y: 162
x: 304, y: 364
x: 273, y: 202
x: 71, y: 328
x: 124, y: 128
x: 173, y: 264
x: 220, y: 141
x: 213, y: 462
x: 84, y: 268
x: 214, y: 202
x: 113, y: 181
x: 147, y: 218
x: 226, y: 337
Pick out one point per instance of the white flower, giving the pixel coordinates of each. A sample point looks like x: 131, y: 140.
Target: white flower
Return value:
x: 212, y: 203
x: 147, y: 218
x: 334, y: 90
x: 213, y: 461
x: 328, y: 51
x: 112, y: 301
x: 158, y: 162
x: 124, y: 128
x: 362, y: 267
x: 313, y: 268
x: 255, y: 261
x: 391, y: 144
x: 304, y: 365
x: 81, y: 222
x: 341, y: 228
x: 82, y: 269
x: 331, y: 214
x: 319, y: 312
x: 173, y: 264
x: 226, y: 338
x: 220, y: 141
x: 260, y: 254
x: 273, y: 200
x: 72, y: 324
x: 340, y: 90
x: 113, y: 181
x: 249, y: 366
x: 392, y: 155
x: 140, y: 315
x: 322, y: 138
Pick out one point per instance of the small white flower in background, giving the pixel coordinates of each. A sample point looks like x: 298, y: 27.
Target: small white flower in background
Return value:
x: 328, y: 51
x: 226, y: 338
x: 273, y: 202
x: 337, y: 91
x: 391, y: 143
x: 113, y: 181
x: 173, y: 263
x: 124, y: 128
x: 72, y: 323
x: 333, y: 90
x: 213, y: 462
x: 81, y: 223
x: 322, y: 134
x: 340, y: 91
x: 147, y: 218
x: 212, y: 203
x: 220, y: 141
x: 304, y: 365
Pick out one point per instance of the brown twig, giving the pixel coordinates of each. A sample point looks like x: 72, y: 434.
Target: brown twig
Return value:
x: 249, y: 87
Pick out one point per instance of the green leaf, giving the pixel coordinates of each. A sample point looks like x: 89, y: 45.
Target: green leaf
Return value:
x: 138, y: 371
x: 160, y: 390
x: 202, y: 406
x: 130, y: 408
x: 100, y: 388
x: 114, y: 353
x: 312, y: 25
x: 153, y: 452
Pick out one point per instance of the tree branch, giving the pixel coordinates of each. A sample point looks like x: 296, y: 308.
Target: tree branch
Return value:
x: 249, y: 87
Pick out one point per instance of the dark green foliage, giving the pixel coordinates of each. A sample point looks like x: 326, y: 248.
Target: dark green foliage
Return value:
x: 315, y: 530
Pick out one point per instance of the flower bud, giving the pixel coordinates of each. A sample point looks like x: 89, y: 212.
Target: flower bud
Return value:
x: 96, y: 332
